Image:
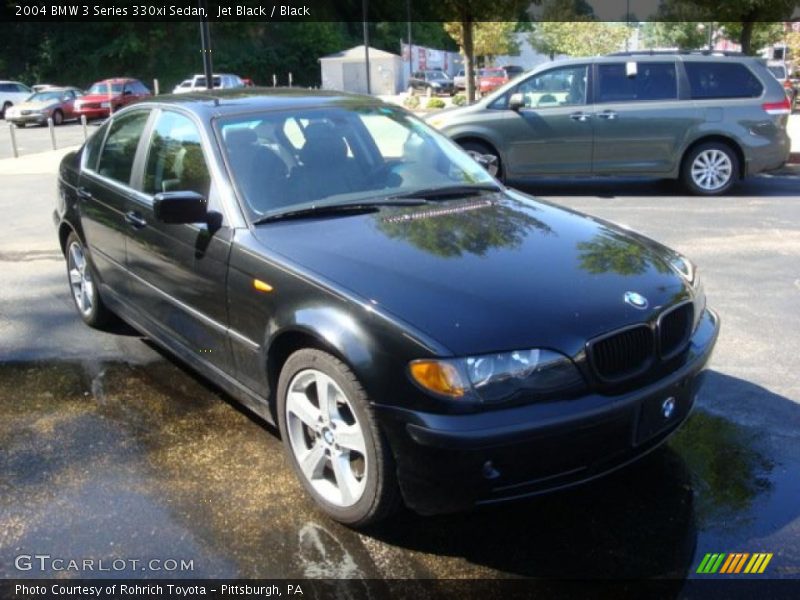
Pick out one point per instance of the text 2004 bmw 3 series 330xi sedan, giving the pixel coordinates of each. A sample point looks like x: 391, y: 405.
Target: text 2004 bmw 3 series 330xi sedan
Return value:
x: 419, y: 333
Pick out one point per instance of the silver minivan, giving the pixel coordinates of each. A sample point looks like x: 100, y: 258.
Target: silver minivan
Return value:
x: 705, y: 119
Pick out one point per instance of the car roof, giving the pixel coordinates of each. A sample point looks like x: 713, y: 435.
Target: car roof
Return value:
x: 116, y: 80
x: 218, y: 102
x: 648, y: 57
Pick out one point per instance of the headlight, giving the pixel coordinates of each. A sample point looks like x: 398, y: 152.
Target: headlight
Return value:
x: 493, y: 378
x: 688, y: 270
x: 436, y: 85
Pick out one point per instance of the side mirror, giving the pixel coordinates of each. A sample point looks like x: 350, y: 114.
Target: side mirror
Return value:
x: 180, y: 207
x: 516, y: 101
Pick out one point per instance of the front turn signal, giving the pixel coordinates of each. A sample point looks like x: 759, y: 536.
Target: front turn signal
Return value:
x: 439, y: 377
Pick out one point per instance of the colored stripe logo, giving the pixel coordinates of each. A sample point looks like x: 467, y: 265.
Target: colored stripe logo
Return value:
x: 737, y: 562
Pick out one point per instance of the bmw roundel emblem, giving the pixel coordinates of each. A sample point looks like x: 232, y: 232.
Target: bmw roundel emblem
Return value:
x: 668, y: 407
x: 636, y: 300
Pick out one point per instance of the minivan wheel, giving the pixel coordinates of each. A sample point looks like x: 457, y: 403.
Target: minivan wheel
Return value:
x: 710, y: 169
x: 84, y: 285
x: 333, y: 441
x: 479, y: 148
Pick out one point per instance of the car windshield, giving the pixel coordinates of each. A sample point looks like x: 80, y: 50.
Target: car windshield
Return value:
x: 102, y: 88
x: 46, y: 96
x: 288, y: 160
x: 436, y: 75
x: 778, y: 71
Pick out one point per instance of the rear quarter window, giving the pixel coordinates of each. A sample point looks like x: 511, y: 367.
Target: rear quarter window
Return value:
x: 722, y: 80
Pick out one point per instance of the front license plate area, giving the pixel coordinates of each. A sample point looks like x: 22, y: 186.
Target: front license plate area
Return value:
x: 662, y: 411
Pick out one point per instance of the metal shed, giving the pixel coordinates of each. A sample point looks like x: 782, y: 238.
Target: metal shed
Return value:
x: 345, y: 71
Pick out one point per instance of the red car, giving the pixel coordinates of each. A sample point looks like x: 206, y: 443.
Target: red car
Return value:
x: 490, y: 79
x: 104, y: 95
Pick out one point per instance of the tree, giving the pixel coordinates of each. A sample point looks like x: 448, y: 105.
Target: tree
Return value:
x: 746, y: 21
x: 684, y: 35
x: 465, y: 14
x: 578, y: 38
x: 490, y: 38
x: 760, y: 34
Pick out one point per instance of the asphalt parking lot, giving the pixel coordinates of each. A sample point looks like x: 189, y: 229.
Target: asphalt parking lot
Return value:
x: 111, y: 449
x: 33, y: 138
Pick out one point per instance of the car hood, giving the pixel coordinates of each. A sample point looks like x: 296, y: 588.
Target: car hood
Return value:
x: 488, y: 273
x: 37, y: 105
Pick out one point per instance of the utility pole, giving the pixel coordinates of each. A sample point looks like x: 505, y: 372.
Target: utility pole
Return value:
x: 205, y: 42
x: 410, y: 53
x: 364, y: 8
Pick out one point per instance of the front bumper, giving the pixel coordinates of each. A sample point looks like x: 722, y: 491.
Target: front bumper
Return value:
x: 93, y: 113
x: 452, y: 462
x: 40, y: 119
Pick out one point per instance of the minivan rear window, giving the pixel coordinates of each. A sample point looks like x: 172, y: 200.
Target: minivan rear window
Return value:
x: 722, y: 80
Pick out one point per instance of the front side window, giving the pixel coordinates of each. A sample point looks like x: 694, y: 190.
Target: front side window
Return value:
x: 721, y: 80
x: 565, y: 86
x: 175, y: 159
x: 651, y: 81
x: 92, y: 148
x: 346, y: 155
x: 116, y: 159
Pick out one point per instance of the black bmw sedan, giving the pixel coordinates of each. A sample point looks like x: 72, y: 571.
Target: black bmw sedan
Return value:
x: 418, y: 332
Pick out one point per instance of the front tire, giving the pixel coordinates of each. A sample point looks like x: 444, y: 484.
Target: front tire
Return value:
x: 84, y: 286
x: 480, y: 148
x: 6, y: 106
x: 710, y: 169
x: 332, y: 439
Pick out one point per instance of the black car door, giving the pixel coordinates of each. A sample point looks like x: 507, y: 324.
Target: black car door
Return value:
x: 178, y: 271
x: 103, y: 192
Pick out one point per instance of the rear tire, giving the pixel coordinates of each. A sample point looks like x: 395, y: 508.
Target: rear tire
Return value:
x: 6, y: 106
x: 58, y: 117
x: 710, y: 169
x: 481, y: 148
x: 347, y: 466
x: 84, y: 285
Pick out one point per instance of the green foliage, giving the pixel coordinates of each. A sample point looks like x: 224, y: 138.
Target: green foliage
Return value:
x: 459, y: 100
x: 412, y: 102
x: 435, y: 103
x: 684, y: 35
x: 578, y: 38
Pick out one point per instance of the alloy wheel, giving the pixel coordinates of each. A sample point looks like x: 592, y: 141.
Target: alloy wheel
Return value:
x: 326, y: 438
x: 711, y: 169
x: 80, y: 279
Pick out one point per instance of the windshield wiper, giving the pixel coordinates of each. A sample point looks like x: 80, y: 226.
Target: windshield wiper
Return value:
x: 450, y: 191
x: 337, y: 209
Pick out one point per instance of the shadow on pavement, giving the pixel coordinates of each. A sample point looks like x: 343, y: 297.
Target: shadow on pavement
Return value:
x: 148, y: 460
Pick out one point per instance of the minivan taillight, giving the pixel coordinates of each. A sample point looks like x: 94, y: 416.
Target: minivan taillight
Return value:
x: 783, y: 107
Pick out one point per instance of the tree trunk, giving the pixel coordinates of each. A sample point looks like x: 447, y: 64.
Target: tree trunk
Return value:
x: 469, y: 56
x: 746, y: 38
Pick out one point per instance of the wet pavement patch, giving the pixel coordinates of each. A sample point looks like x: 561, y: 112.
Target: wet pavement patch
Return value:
x: 147, y: 461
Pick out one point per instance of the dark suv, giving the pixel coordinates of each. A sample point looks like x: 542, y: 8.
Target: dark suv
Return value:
x: 707, y: 120
x: 431, y: 83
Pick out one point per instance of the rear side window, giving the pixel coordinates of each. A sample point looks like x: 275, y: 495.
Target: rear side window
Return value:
x: 175, y: 161
x: 652, y: 81
x: 722, y: 80
x: 119, y: 150
x: 92, y: 148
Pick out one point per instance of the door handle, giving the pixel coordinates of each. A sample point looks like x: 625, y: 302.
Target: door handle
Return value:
x: 84, y: 194
x: 580, y: 116
x: 135, y: 220
x: 609, y: 115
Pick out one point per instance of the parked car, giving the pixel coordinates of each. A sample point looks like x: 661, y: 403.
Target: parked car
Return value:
x: 380, y: 317
x: 513, y: 71
x: 706, y: 120
x: 431, y: 83
x: 780, y: 71
x: 221, y: 81
x: 12, y: 92
x: 490, y: 79
x: 53, y: 102
x: 109, y: 94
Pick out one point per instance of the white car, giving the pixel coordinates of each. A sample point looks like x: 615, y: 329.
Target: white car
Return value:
x: 222, y: 81
x: 12, y: 92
